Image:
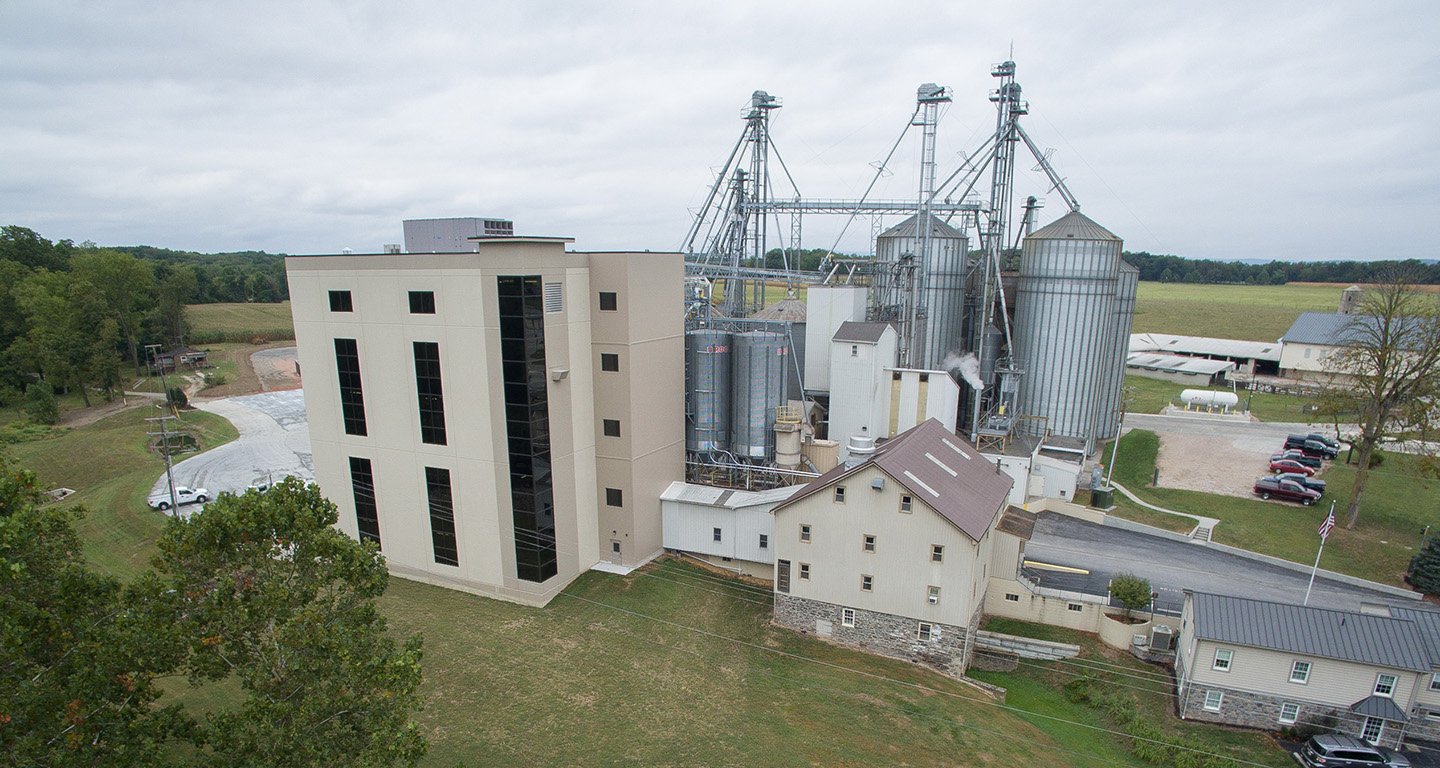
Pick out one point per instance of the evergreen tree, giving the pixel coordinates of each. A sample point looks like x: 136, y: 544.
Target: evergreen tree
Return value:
x: 1425, y: 567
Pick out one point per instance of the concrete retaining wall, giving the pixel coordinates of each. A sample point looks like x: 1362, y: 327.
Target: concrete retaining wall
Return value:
x: 1025, y: 647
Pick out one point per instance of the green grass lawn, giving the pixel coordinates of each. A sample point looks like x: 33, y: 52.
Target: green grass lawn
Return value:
x: 1146, y: 395
x: 1253, y: 312
x: 212, y: 323
x: 1394, y: 511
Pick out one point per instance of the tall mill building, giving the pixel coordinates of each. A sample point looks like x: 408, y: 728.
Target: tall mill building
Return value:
x: 496, y: 421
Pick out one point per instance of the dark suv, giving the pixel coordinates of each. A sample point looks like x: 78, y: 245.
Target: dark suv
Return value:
x: 1336, y: 751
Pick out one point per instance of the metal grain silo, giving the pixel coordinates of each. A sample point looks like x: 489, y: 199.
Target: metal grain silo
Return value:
x: 1064, y: 323
x: 759, y: 365
x: 707, y: 390
x: 1107, y: 414
x: 942, y: 284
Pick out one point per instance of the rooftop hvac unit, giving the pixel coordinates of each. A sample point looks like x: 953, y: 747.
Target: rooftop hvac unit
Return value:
x: 1162, y: 638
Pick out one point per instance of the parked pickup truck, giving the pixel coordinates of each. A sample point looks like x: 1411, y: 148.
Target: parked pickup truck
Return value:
x: 1274, y: 487
x: 1314, y: 445
x: 1313, y: 483
x: 183, y: 495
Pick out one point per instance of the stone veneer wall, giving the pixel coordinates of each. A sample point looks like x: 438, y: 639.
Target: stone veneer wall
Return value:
x: 1255, y: 710
x: 882, y: 633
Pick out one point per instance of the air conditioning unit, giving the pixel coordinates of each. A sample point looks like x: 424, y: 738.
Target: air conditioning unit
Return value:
x: 934, y: 599
x: 1162, y: 638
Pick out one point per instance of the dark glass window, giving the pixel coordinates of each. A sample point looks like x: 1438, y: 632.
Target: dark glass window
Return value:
x: 362, y: 484
x: 422, y: 302
x: 609, y: 362
x: 608, y: 301
x: 613, y: 497
x: 764, y: 541
x: 352, y: 397
x: 716, y: 534
x: 432, y: 396
x: 527, y: 424
x: 340, y: 301
x: 442, y: 515
x: 612, y: 427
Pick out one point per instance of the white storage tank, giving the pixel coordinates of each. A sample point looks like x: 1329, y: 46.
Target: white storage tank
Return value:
x: 1209, y: 399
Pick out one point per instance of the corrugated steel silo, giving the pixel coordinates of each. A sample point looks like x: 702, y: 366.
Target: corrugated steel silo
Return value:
x: 1064, y: 323
x: 943, y: 284
x: 759, y: 368
x: 707, y: 390
x: 1108, y: 414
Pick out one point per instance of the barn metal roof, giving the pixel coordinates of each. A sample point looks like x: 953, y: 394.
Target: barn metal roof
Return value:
x: 1203, y: 345
x: 1074, y: 225
x: 868, y: 333
x: 1178, y: 363
x: 1328, y: 328
x: 1379, y: 640
x: 710, y: 496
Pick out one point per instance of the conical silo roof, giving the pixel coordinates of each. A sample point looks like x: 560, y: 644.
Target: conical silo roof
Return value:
x: 911, y: 228
x: 1073, y: 225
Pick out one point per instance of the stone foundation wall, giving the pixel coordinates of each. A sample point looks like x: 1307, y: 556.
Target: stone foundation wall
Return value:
x: 1255, y: 710
x: 882, y: 633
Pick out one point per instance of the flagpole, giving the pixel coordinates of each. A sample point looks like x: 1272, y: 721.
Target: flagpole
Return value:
x: 1319, y: 552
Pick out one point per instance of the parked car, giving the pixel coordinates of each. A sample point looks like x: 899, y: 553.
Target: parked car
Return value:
x: 1290, y: 465
x: 183, y: 495
x: 1309, y: 461
x: 1289, y: 490
x: 1333, y: 750
x: 1313, y: 483
x: 1295, y: 441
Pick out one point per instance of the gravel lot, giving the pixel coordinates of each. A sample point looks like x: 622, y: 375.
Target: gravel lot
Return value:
x: 1214, y: 455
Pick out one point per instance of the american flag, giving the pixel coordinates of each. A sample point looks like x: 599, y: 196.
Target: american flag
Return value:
x: 1326, y: 526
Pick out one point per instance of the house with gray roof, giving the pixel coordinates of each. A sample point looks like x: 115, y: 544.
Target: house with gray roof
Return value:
x: 1313, y: 339
x: 892, y: 551
x: 1373, y: 674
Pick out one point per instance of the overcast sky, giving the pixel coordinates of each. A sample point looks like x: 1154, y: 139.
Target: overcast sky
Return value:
x: 1217, y: 130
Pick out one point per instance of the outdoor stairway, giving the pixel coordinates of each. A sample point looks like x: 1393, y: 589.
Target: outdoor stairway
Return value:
x: 1201, y: 533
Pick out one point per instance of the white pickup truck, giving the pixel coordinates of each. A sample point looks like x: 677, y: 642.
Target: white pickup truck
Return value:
x: 183, y: 495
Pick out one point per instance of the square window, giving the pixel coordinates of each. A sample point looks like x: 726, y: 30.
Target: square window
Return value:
x: 1385, y: 684
x: 933, y: 595
x: 422, y: 302
x: 839, y: 494
x: 340, y: 301
x: 609, y: 361
x: 1435, y: 681
x: 764, y: 541
x: 847, y: 617
x: 1011, y: 597
x: 608, y: 301
x: 937, y: 553
x: 906, y: 504
x: 867, y: 583
x: 1076, y: 607
x: 924, y: 631
x: 1213, y: 699
x: 805, y: 571
x: 1289, y: 712
x: 804, y: 533
x: 869, y: 543
x: 611, y: 427
x: 1300, y: 672
x: 1223, y: 657
x: 614, y: 497
x: 716, y: 533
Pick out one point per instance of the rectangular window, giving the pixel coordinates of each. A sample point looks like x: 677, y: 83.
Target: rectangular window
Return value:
x: 867, y: 583
x: 614, y: 497
x: 1373, y: 728
x: 340, y: 301
x: 716, y: 533
x: 1076, y: 607
x: 1011, y: 597
x: 854, y: 350
x: 782, y: 576
x: 362, y: 485
x: 937, y: 553
x: 1435, y: 681
x: 430, y: 392
x: 847, y: 617
x: 527, y: 425
x: 868, y: 543
x: 608, y: 301
x: 1385, y: 684
x: 764, y: 541
x: 933, y: 595
x: 1223, y: 657
x: 839, y: 494
x: 352, y: 395
x: 924, y: 631
x: 442, y: 516
x: 804, y: 533
x: 906, y: 504
x: 615, y: 546
x: 1289, y: 713
x: 805, y: 571
x: 609, y: 361
x: 611, y: 427
x: 422, y: 302
x: 1213, y: 700
x: 1300, y: 672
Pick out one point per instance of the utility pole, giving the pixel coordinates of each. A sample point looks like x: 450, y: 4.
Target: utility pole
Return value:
x: 164, y: 435
x: 154, y: 355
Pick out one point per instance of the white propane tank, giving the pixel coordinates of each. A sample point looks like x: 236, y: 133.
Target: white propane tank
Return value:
x: 1209, y: 399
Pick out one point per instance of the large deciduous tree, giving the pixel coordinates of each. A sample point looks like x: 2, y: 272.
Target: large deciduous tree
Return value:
x: 127, y: 286
x: 1389, y: 370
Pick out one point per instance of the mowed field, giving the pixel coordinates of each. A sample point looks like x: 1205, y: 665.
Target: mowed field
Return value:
x: 1251, y: 312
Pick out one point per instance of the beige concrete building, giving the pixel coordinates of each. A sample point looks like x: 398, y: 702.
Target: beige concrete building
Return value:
x: 496, y: 421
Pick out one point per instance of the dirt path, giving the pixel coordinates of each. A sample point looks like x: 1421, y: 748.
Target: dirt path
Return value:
x: 246, y: 380
x: 87, y: 416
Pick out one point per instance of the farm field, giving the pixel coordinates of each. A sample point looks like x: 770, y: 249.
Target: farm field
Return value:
x: 211, y: 323
x: 1252, y: 312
